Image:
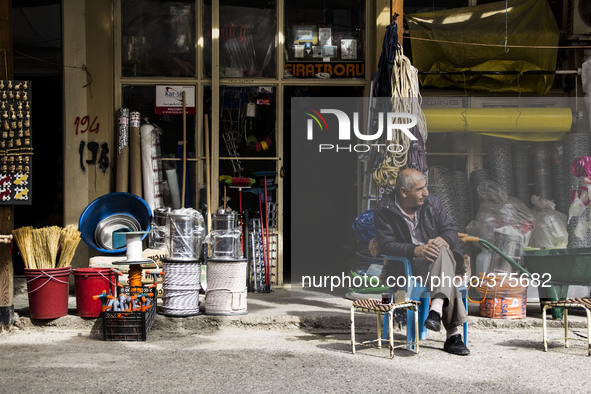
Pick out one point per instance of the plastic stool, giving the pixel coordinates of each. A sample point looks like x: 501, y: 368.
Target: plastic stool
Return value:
x: 375, y: 306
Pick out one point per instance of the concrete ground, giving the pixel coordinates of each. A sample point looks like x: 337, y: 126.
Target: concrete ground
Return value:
x: 289, y: 342
x: 285, y: 308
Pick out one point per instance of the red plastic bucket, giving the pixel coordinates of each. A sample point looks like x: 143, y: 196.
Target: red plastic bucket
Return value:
x: 91, y: 282
x: 48, y: 292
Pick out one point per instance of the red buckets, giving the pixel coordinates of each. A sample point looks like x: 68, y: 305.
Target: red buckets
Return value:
x: 91, y: 282
x: 48, y: 292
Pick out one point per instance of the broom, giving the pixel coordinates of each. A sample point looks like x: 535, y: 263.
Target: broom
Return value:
x: 24, y: 241
x: 41, y: 251
x: 69, y: 239
x: 52, y: 242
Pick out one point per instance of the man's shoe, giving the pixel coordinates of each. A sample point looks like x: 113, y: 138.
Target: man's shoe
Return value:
x: 455, y: 345
x: 433, y: 321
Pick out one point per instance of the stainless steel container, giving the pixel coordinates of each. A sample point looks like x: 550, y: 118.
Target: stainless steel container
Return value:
x: 107, y: 229
x: 159, y: 231
x: 225, y: 242
x: 185, y: 235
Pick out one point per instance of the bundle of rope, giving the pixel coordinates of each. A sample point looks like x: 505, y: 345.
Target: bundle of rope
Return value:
x: 404, y: 98
x: 181, y: 286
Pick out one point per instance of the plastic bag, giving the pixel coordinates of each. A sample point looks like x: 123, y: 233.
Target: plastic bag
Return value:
x: 498, y: 210
x: 550, y: 230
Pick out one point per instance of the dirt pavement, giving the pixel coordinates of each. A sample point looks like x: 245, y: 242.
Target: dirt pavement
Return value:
x: 269, y: 361
x: 288, y: 342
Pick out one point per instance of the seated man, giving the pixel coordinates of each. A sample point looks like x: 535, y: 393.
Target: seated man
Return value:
x: 411, y: 223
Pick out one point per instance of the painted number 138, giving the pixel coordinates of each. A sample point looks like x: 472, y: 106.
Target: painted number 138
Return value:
x: 83, y: 124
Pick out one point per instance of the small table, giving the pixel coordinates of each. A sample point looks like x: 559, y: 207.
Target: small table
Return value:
x: 570, y: 303
x: 376, y: 306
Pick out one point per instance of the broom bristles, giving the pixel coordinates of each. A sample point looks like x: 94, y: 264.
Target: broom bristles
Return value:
x: 23, y: 239
x: 40, y: 249
x: 69, y: 240
x: 52, y: 239
x: 47, y: 247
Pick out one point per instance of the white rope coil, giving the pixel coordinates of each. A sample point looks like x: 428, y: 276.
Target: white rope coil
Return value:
x: 226, y: 288
x: 180, y: 286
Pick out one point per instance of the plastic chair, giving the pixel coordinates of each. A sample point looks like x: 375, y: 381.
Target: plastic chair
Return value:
x: 416, y: 291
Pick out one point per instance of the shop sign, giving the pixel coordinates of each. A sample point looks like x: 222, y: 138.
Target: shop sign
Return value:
x: 169, y: 100
x: 326, y: 69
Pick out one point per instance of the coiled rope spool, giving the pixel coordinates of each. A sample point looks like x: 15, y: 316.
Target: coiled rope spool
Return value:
x: 226, y: 287
x: 180, y: 288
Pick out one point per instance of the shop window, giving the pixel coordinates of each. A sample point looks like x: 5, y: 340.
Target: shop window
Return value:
x: 247, y: 38
x: 324, y: 39
x: 158, y: 38
x: 142, y: 98
x: 247, y: 124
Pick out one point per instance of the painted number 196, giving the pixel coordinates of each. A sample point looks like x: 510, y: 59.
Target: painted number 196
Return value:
x: 83, y: 124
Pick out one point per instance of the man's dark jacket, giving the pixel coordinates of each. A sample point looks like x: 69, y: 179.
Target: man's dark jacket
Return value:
x: 392, y: 232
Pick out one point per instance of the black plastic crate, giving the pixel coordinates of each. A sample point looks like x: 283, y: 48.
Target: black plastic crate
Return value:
x: 130, y: 326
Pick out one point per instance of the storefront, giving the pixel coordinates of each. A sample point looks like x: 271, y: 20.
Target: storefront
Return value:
x: 239, y: 65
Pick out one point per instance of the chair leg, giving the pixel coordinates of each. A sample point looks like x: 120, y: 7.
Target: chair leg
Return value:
x: 544, y: 333
x: 588, y: 312
x: 464, y: 293
x: 412, y: 325
x: 390, y: 315
x: 416, y: 319
x: 385, y: 327
x: 353, y: 329
x: 566, y: 344
x: 423, y: 314
x: 379, y: 323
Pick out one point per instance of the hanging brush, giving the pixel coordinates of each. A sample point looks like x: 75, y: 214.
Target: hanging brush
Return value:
x: 239, y: 182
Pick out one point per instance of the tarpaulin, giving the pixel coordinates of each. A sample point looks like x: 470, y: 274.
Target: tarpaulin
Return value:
x: 483, y: 38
